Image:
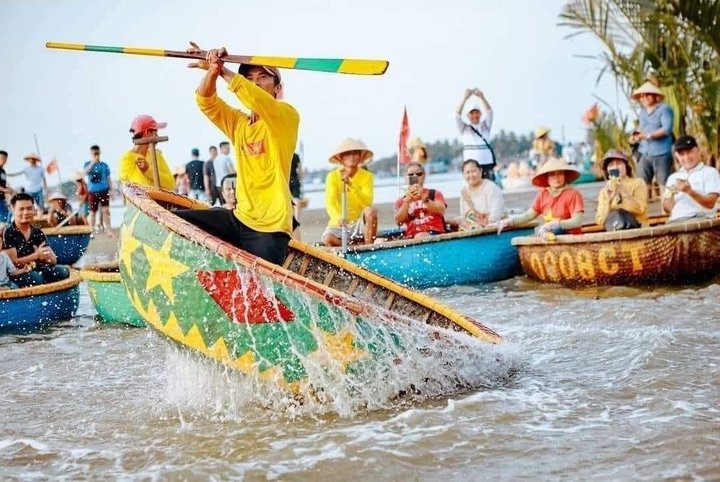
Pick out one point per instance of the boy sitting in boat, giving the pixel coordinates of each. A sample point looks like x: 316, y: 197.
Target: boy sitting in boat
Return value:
x: 421, y: 210
x: 30, y: 245
x: 561, y: 206
x: 692, y: 192
x: 7, y: 267
x: 357, y: 186
x: 623, y: 201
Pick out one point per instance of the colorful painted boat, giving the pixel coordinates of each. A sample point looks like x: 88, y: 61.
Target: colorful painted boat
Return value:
x: 29, y: 308
x: 675, y: 253
x: 268, y: 321
x: 480, y: 256
x: 108, y: 294
x: 68, y: 242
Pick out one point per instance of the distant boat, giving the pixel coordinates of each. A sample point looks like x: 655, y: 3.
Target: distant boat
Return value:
x: 678, y: 253
x: 108, y: 294
x: 466, y: 257
x: 265, y: 320
x: 68, y: 242
x: 25, y: 309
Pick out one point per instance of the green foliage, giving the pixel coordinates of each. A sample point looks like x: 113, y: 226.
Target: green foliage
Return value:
x: 676, y: 41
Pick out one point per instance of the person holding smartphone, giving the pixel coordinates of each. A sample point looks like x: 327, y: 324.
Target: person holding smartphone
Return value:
x: 420, y: 210
x: 623, y: 196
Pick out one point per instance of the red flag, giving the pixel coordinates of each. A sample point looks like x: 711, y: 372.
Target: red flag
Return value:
x: 403, y: 152
x: 591, y: 114
x: 52, y: 166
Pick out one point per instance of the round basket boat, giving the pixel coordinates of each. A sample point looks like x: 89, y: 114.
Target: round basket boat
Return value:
x: 35, y: 306
x: 108, y: 294
x: 68, y: 242
x: 678, y: 253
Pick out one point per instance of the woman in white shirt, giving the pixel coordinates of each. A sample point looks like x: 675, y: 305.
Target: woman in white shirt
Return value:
x: 481, y: 201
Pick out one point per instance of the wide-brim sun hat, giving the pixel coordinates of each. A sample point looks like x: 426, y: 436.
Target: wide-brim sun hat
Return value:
x: 554, y: 164
x: 541, y: 131
x: 56, y: 196
x: 348, y: 145
x: 32, y: 155
x: 619, y: 155
x: 647, y: 88
x: 79, y: 176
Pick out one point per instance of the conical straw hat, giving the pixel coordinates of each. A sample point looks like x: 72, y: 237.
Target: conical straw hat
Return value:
x: 553, y: 165
x: 647, y: 88
x: 348, y: 145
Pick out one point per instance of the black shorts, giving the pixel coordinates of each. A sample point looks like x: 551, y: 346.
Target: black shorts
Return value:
x: 222, y: 223
x: 100, y: 198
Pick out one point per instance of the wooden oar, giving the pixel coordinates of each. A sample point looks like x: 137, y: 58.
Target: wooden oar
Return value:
x: 341, y: 66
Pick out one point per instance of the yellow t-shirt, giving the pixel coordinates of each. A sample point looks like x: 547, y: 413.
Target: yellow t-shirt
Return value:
x: 360, y: 195
x: 636, y: 202
x: 130, y: 172
x: 263, y: 153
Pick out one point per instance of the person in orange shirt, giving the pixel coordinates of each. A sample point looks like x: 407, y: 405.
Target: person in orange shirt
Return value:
x: 560, y: 205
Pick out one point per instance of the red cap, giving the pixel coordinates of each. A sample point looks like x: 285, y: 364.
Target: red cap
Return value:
x: 143, y: 123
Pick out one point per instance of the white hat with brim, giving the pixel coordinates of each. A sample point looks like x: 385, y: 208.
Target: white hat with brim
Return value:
x: 647, y: 88
x: 56, y: 196
x: 540, y: 179
x: 475, y: 107
x: 32, y: 155
x: 349, y: 145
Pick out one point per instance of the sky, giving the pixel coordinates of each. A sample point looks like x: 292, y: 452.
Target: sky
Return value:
x: 512, y: 50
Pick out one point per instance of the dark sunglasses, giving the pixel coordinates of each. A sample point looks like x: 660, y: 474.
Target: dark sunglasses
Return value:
x: 416, y: 174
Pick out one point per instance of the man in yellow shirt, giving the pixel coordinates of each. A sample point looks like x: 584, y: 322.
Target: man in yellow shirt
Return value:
x: 264, y: 142
x: 361, y: 217
x: 135, y: 163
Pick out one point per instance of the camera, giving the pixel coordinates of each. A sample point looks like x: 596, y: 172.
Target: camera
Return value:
x: 613, y: 173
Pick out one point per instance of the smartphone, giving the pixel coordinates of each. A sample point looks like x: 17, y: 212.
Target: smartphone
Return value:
x: 613, y: 173
x: 413, y: 180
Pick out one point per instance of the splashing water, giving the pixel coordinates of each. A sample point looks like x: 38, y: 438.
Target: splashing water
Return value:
x: 410, y: 362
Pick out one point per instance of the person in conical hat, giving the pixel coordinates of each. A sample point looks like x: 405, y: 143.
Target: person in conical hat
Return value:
x: 560, y: 205
x: 36, y: 184
x: 654, y: 135
x: 418, y: 151
x: 476, y: 132
x: 622, y: 192
x: 543, y: 147
x: 59, y: 210
x: 263, y: 142
x: 361, y: 218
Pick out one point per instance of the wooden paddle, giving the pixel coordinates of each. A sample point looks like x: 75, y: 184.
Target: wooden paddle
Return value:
x: 154, y: 165
x: 340, y: 66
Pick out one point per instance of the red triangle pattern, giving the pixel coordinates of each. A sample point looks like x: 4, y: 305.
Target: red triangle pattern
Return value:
x: 243, y: 304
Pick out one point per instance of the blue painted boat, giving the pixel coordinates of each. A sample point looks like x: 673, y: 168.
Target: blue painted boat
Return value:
x: 480, y: 256
x: 29, y: 308
x: 68, y: 242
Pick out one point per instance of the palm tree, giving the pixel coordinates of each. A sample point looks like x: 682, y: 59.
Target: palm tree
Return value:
x: 677, y: 40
